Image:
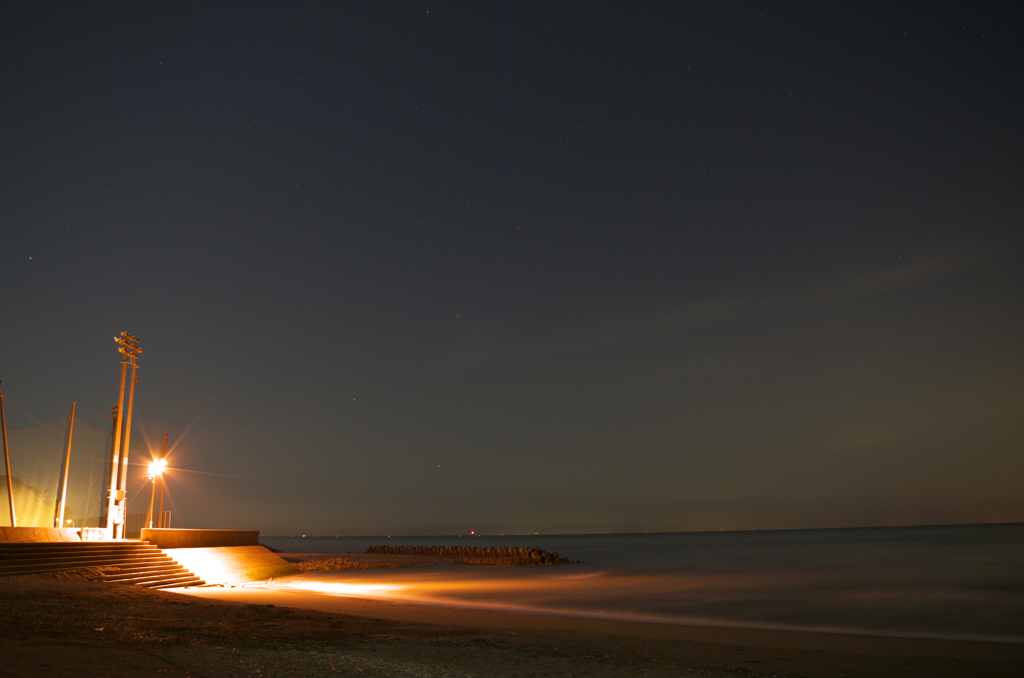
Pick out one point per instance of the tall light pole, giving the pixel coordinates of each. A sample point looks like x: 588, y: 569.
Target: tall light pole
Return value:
x: 163, y: 483
x: 128, y: 347
x: 109, y: 513
x: 123, y: 485
x: 67, y: 466
x: 7, y: 459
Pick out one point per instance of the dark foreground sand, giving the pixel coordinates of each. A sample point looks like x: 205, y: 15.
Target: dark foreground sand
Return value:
x: 59, y: 627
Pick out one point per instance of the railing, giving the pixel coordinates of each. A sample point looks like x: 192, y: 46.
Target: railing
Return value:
x: 134, y: 522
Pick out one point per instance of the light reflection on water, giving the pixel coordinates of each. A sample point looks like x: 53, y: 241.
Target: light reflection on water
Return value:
x: 964, y: 582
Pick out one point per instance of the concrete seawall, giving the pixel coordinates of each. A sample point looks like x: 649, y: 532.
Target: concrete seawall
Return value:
x: 232, y: 564
x: 12, y: 535
x: 220, y: 556
x: 216, y: 556
x: 189, y: 539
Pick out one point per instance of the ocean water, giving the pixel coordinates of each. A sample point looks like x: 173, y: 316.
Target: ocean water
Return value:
x: 957, y: 582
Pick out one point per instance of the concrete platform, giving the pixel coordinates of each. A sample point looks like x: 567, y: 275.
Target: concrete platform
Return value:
x: 17, y: 535
x: 216, y: 556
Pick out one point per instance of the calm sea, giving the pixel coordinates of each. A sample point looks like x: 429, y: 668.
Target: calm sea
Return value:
x: 964, y: 581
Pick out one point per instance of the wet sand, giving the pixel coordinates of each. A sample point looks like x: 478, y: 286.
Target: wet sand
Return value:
x: 367, y: 561
x: 58, y: 627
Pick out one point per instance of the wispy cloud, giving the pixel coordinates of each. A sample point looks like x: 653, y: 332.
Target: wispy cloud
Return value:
x: 483, y: 344
x: 925, y: 426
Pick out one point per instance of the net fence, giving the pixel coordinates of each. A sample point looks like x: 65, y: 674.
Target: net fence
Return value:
x: 37, y: 457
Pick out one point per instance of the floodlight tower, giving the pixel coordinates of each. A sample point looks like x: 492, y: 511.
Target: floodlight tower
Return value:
x: 128, y: 347
x: 109, y: 511
x: 7, y: 461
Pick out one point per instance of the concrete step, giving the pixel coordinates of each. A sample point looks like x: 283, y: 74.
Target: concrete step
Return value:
x: 147, y: 580
x: 155, y: 579
x: 40, y: 570
x: 138, y: 562
x: 62, y: 547
x: 78, y: 555
x: 135, y: 572
x: 71, y: 563
x: 128, y: 568
x: 59, y: 545
x: 194, y: 581
x: 28, y: 553
x: 22, y: 559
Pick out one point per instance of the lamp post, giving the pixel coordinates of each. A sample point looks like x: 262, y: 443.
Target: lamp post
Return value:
x: 128, y: 347
x: 7, y: 461
x: 163, y: 484
x: 156, y: 470
x: 67, y: 467
x: 109, y: 510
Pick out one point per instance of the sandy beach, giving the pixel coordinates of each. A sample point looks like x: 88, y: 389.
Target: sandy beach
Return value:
x: 512, y: 339
x: 62, y: 627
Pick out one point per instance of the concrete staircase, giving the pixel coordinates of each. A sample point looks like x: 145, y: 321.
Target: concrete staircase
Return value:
x: 137, y: 562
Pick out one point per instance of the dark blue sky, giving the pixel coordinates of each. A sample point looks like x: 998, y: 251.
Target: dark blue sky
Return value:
x: 517, y: 267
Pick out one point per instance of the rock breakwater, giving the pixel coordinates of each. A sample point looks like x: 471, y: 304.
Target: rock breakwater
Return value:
x: 478, y: 555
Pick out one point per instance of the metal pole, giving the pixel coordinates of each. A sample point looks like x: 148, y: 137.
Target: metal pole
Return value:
x: 88, y: 494
x: 128, y: 346
x: 152, y: 496
x: 163, y: 483
x: 7, y: 459
x: 115, y: 447
x: 67, y: 465
x: 123, y: 484
x: 105, y: 499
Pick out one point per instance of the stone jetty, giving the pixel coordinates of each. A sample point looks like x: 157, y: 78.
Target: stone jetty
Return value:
x: 345, y: 564
x: 478, y: 555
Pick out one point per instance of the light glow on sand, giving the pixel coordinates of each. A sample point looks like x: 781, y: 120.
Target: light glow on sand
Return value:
x: 346, y: 589
x: 787, y: 601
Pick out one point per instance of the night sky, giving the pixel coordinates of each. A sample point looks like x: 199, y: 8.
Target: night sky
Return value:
x: 527, y: 267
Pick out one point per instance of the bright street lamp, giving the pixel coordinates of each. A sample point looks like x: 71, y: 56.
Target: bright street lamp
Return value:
x: 156, y: 469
